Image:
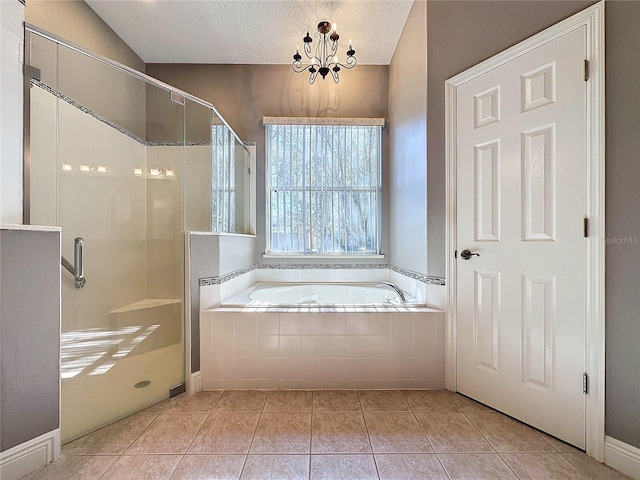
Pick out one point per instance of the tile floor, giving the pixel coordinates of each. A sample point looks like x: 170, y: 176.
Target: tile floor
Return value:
x: 320, y: 435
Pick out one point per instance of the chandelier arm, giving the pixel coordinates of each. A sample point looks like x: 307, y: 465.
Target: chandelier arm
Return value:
x: 298, y: 67
x: 335, y: 75
x: 307, y: 50
x: 350, y: 63
x: 312, y: 77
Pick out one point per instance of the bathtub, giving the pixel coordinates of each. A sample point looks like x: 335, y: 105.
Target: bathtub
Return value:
x: 317, y: 295
x: 294, y: 336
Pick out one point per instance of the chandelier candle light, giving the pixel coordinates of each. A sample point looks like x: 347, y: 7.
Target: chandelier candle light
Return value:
x: 325, y: 60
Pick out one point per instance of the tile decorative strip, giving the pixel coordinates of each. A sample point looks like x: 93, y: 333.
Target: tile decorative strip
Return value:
x: 249, y: 143
x: 115, y: 126
x: 178, y: 144
x: 323, y: 266
x: 204, y: 282
x: 298, y: 266
x: 84, y: 109
x: 418, y: 276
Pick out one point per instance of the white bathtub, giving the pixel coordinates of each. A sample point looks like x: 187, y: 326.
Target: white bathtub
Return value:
x: 316, y: 294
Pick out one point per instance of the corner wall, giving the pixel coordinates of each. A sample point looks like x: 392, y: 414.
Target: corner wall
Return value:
x: 622, y: 419
x: 30, y: 339
x: 76, y: 22
x: 407, y: 185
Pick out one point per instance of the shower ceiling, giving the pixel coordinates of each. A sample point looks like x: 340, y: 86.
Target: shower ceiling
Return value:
x: 250, y: 31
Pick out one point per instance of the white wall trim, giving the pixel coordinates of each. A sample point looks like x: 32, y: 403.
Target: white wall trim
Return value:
x: 592, y: 19
x: 30, y: 456
x: 623, y: 457
x: 195, y: 383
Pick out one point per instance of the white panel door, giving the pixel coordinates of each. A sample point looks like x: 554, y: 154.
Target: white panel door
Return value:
x: 521, y: 201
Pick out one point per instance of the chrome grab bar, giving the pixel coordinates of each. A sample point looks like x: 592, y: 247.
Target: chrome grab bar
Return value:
x: 78, y: 258
x: 398, y: 290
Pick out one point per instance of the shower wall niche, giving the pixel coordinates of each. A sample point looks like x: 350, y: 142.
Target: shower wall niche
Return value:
x: 128, y: 164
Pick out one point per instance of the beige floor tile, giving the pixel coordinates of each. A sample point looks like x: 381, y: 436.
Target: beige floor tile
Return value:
x: 241, y: 401
x: 75, y: 468
x: 343, y: 467
x: 537, y: 466
x: 508, y: 435
x: 209, y: 467
x: 431, y: 401
x: 467, y: 404
x: 407, y: 466
x: 383, y: 400
x: 169, y: 433
x: 593, y: 469
x: 558, y: 445
x: 203, y: 402
x: 142, y: 467
x: 276, y: 467
x: 395, y: 432
x: 476, y: 467
x: 113, y: 439
x: 297, y: 401
x: 282, y: 433
x: 339, y: 432
x: 452, y: 433
x: 156, y: 409
x: 225, y: 433
x: 336, y: 401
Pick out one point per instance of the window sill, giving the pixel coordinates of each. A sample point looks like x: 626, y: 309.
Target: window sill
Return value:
x: 324, y: 257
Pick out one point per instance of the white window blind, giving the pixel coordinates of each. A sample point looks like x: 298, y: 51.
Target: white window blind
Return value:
x: 223, y: 194
x: 323, y: 189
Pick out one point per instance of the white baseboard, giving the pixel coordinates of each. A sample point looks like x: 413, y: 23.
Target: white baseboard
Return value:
x: 30, y: 456
x: 195, y: 384
x: 622, y: 457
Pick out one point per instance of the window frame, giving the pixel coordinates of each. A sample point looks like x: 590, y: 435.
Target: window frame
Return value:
x: 336, y: 122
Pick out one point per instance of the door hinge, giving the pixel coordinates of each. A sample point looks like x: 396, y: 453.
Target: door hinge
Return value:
x: 585, y: 227
x: 585, y: 383
x: 585, y: 70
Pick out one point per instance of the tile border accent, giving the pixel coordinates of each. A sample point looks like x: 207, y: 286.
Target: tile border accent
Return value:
x: 204, y: 282
x: 106, y: 121
x: 418, y: 276
x: 84, y: 109
x: 320, y: 266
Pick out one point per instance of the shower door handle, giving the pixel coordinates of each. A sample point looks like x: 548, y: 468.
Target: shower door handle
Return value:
x: 78, y: 258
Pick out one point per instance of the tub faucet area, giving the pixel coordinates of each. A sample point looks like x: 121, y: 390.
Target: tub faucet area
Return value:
x: 398, y: 290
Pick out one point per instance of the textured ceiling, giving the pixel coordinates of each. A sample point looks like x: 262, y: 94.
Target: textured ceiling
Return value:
x: 251, y: 31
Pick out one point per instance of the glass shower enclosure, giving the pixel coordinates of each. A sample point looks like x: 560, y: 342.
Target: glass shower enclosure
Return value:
x: 108, y: 154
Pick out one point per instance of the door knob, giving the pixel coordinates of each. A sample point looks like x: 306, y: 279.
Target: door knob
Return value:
x: 466, y: 254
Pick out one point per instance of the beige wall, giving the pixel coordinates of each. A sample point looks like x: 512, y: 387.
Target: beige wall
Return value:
x: 243, y: 94
x: 461, y: 34
x: 76, y: 22
x: 623, y: 221
x: 408, y: 145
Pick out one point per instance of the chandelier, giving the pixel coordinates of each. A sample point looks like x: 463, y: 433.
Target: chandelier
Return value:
x: 325, y: 59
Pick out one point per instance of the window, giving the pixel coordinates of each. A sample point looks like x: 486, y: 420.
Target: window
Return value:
x: 323, y: 186
x: 223, y: 192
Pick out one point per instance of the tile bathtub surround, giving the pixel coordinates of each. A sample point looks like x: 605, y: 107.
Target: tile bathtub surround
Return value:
x: 324, y: 434
x: 322, y: 348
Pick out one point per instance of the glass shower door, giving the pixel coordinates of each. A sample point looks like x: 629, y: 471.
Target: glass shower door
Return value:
x: 106, y: 160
